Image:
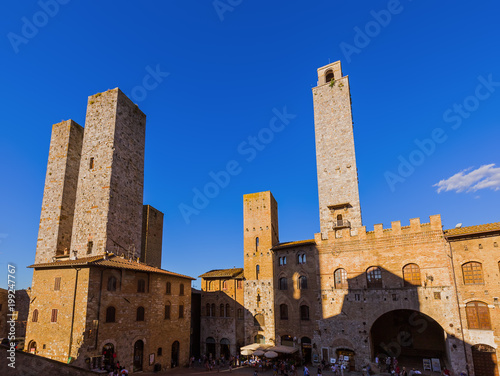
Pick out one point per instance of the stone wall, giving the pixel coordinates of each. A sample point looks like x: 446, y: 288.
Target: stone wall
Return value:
x: 56, y: 218
x: 152, y: 234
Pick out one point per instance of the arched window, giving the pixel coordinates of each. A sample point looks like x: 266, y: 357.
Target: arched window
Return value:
x: 140, y: 314
x: 284, y: 260
x: 159, y: 352
x: 224, y: 284
x: 110, y: 314
x: 301, y: 258
x: 211, y: 285
x: 257, y: 271
x: 281, y: 261
x: 111, y: 283
x: 167, y: 311
x: 141, y: 285
x: 208, y: 313
x: 257, y: 244
x: 34, y: 318
x: 240, y: 314
x: 221, y: 310
x: 302, y: 282
x: 473, y: 273
x: 329, y: 76
x: 283, y: 312
x: 181, y: 289
x: 304, y: 312
x: 228, y: 310
x: 411, y: 275
x: 212, y: 310
x: 181, y: 311
x: 340, y: 278
x: 168, y: 288
x: 478, y: 315
x: 374, y: 277
x: 283, y: 284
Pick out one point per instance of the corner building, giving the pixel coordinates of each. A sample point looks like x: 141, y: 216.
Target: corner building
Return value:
x: 413, y: 292
x: 99, y: 294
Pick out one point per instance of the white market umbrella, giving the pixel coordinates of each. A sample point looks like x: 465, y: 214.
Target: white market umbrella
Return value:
x: 271, y: 354
x: 246, y: 352
x: 258, y: 353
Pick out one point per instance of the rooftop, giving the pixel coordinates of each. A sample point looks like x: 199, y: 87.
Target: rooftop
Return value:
x: 109, y: 261
x: 224, y: 273
x: 470, y: 230
x: 293, y: 244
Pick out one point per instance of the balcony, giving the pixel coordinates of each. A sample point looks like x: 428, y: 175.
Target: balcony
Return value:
x: 341, y: 223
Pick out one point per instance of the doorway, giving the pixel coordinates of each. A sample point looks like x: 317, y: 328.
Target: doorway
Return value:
x: 138, y: 355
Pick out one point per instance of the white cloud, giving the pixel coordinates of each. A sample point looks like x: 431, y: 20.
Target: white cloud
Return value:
x: 468, y: 180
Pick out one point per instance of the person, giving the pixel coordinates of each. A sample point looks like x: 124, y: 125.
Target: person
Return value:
x: 388, y: 364
x: 319, y: 371
x: 306, y: 371
x: 446, y: 372
x: 403, y: 372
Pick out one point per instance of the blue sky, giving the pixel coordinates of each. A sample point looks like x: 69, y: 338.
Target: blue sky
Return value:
x: 419, y: 71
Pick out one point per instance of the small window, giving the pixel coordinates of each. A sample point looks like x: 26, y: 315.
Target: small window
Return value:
x: 91, y: 163
x: 168, y: 288
x: 239, y: 284
x: 34, y: 318
x: 141, y: 285
x: 90, y: 245
x: 473, y: 273
x: 224, y: 284
x: 283, y: 312
x: 411, y: 275
x: 181, y: 311
x: 181, y: 289
x: 221, y: 310
x: 140, y: 314
x: 53, y: 317
x: 57, y: 284
x: 283, y: 284
x: 256, y: 244
x: 228, y: 310
x: 257, y: 271
x: 167, y: 312
x: 374, y: 277
x: 340, y: 278
x: 207, y: 309
x: 284, y: 260
x: 111, y: 283
x: 478, y: 315
x: 304, y: 312
x: 110, y: 314
x: 240, y: 314
x: 160, y: 351
x: 302, y: 282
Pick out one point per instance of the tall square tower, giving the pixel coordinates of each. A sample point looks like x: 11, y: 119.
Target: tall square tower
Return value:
x: 108, y: 210
x: 339, y: 205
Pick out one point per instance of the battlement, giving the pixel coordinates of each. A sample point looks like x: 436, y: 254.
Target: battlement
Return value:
x: 379, y: 232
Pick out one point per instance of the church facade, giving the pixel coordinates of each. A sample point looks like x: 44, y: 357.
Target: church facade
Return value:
x: 413, y: 292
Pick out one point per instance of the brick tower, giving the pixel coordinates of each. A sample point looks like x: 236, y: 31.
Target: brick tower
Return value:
x: 56, y: 218
x: 108, y: 210
x: 335, y: 158
x: 260, y: 222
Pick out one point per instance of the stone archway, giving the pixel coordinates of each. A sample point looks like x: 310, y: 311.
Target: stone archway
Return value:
x: 408, y: 335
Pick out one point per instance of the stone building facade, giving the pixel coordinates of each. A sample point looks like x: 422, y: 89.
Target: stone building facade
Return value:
x: 414, y: 292
x: 99, y: 295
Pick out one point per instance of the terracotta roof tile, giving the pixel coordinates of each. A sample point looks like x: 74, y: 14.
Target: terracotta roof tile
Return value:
x: 472, y: 229
x: 224, y: 273
x: 293, y: 244
x: 111, y: 262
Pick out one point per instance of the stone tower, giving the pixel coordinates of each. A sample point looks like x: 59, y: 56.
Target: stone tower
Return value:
x: 108, y: 210
x: 335, y: 158
x: 260, y: 222
x: 152, y: 234
x: 56, y: 218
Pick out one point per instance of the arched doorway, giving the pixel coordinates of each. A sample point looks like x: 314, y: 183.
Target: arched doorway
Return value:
x: 107, y: 355
x: 138, y: 355
x: 210, y: 342
x: 175, y: 354
x: 306, y: 349
x: 485, y: 360
x: 408, y: 335
x: 224, y: 348
x: 32, y: 347
x: 346, y: 357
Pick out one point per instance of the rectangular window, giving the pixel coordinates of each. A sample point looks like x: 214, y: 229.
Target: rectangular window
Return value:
x: 181, y: 311
x: 53, y: 317
x: 240, y: 314
x: 167, y: 312
x: 90, y: 245
x: 91, y: 163
x: 57, y: 284
x: 357, y: 297
x: 239, y: 284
